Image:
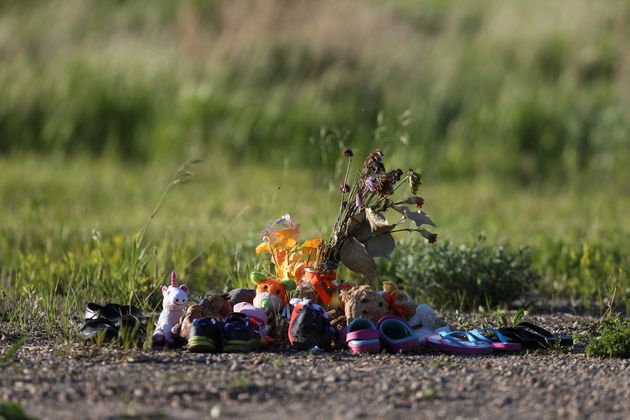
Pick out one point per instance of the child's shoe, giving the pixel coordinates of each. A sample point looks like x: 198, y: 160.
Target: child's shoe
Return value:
x: 205, y: 335
x: 239, y: 335
x: 397, y: 335
x: 363, y: 337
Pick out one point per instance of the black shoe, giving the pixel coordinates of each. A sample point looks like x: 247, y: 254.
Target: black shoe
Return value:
x: 205, y: 335
x: 98, y: 329
x: 111, y: 311
x: 239, y: 335
x: 111, y: 321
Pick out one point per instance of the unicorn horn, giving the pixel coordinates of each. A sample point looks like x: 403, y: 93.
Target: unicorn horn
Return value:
x: 173, y: 279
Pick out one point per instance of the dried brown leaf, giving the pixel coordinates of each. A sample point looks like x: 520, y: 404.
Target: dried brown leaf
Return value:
x: 355, y: 256
x: 418, y: 217
x: 380, y: 245
x: 377, y: 220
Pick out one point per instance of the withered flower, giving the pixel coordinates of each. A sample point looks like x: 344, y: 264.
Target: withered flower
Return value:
x: 344, y: 188
x: 430, y: 236
x: 370, y: 183
x: 374, y: 163
x: 348, y: 153
x: 418, y: 201
x: 385, y: 183
x: 414, y: 180
x: 359, y: 201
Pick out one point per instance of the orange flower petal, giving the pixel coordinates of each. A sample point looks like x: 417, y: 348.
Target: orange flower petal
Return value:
x: 263, y: 247
x: 312, y: 243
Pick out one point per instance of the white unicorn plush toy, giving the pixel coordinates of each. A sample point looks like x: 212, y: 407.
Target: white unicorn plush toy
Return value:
x: 174, y: 303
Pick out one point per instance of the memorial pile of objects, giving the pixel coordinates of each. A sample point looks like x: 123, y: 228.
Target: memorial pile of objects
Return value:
x: 298, y: 303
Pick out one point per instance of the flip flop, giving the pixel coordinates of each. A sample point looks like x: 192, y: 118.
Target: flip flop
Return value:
x: 549, y: 339
x: 497, y: 340
x: 446, y: 341
x: 533, y: 340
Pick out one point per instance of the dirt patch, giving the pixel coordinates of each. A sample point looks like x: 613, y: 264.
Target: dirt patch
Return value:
x: 54, y: 380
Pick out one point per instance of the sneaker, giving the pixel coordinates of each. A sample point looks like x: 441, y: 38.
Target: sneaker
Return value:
x: 239, y: 335
x: 205, y: 335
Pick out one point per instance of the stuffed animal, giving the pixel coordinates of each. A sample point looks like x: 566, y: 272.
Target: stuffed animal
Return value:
x: 324, y: 286
x: 363, y: 301
x: 400, y: 304
x: 174, y: 302
x: 214, y: 305
x: 305, y: 290
x: 271, y: 294
x: 241, y: 295
x: 424, y: 316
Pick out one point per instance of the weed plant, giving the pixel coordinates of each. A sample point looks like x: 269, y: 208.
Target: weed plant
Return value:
x: 611, y: 338
x: 68, y: 236
x: 12, y: 411
x: 463, y: 277
x: 518, y: 114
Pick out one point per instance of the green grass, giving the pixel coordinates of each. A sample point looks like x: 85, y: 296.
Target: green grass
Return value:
x: 69, y: 235
x: 465, y: 84
x: 516, y: 114
x: 611, y: 338
x: 12, y: 411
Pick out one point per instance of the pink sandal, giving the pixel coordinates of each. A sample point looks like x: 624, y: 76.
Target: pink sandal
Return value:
x: 397, y: 335
x: 363, y: 337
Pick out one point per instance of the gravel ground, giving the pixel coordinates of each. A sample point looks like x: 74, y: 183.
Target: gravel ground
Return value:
x: 72, y: 381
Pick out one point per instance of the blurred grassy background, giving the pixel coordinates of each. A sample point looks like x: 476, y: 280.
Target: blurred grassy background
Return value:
x: 535, y: 92
x: 516, y: 113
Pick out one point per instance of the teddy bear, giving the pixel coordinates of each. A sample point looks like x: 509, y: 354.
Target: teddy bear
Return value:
x: 214, y: 305
x: 363, y: 301
x: 271, y: 294
x: 173, y: 304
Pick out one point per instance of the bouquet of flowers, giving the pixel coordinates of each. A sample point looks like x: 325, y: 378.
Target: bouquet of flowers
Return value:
x: 290, y: 259
x: 362, y: 230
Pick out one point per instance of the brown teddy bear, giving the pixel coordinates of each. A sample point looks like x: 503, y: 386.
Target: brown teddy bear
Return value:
x: 363, y: 301
x: 216, y: 305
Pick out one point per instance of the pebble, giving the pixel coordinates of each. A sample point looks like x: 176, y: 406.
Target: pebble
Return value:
x: 537, y: 384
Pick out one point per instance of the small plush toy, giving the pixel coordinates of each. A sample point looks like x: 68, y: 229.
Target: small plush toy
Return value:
x: 174, y: 302
x: 241, y: 295
x: 271, y: 294
x: 363, y: 301
x: 400, y: 304
x: 214, y: 305
x: 305, y: 290
x: 424, y: 316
